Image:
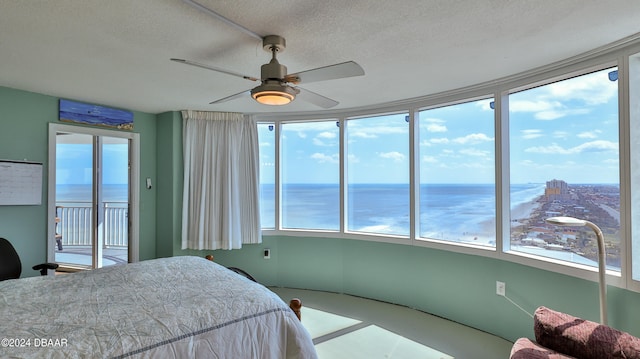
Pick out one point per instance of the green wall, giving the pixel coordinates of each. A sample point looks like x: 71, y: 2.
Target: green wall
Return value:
x: 169, y: 183
x: 24, y: 119
x: 456, y: 286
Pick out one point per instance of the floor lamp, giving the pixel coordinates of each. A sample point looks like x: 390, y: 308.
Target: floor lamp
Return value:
x: 574, y: 222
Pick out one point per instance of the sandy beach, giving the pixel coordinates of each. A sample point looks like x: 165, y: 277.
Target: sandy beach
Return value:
x: 524, y: 210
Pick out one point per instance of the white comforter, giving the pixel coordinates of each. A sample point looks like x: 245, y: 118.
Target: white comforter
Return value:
x: 180, y: 307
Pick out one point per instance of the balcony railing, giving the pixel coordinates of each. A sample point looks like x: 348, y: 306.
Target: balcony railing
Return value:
x: 76, y: 221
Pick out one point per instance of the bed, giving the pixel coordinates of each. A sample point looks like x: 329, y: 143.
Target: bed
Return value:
x: 179, y: 307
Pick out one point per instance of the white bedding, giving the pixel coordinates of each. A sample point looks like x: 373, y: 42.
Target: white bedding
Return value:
x: 180, y: 307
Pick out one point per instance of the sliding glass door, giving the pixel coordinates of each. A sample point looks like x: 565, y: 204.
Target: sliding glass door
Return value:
x: 92, y: 197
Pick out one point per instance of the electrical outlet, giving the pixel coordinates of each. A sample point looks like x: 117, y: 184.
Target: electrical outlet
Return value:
x: 266, y: 253
x: 501, y: 288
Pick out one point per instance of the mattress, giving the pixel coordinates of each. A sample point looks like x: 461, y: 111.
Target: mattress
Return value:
x: 179, y: 307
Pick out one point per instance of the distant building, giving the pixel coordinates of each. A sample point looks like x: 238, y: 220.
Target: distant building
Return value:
x: 557, y: 190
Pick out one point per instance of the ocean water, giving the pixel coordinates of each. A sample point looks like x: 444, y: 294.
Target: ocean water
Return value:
x: 447, y: 211
x: 82, y: 193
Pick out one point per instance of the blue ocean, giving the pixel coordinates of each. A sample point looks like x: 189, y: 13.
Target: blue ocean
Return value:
x: 447, y: 211
x: 81, y: 193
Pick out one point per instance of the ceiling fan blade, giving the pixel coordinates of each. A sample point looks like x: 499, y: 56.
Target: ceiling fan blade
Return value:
x: 331, y: 72
x: 197, y: 64
x: 232, y: 97
x: 316, y: 99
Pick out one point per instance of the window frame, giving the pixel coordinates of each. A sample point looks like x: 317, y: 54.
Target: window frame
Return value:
x: 416, y: 165
x: 279, y: 175
x: 344, y: 124
x: 574, y: 269
x: 616, y: 54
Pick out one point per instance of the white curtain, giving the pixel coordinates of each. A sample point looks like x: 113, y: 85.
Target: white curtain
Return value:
x: 220, y: 208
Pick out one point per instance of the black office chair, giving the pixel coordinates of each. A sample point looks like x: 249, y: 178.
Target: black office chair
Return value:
x: 10, y: 265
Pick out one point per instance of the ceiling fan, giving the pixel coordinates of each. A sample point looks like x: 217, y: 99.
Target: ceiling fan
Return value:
x: 276, y: 85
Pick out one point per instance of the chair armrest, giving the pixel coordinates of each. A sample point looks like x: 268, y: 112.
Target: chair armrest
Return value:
x: 43, y: 267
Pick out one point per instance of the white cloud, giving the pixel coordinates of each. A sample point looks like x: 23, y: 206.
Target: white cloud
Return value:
x: 561, y: 134
x: 593, y: 146
x: 555, y: 114
x: 549, y: 115
x: 531, y: 134
x: 327, y: 135
x: 473, y: 138
x: 360, y: 129
x: 597, y: 146
x: 429, y: 159
x: 394, y: 155
x: 485, y: 105
x: 320, y: 138
x: 474, y: 152
x: 362, y: 134
x: 552, y: 149
x: 323, y: 158
x: 439, y: 141
x: 319, y: 142
x: 434, y: 127
x: 549, y: 101
x: 590, y: 89
x: 533, y: 106
x: 589, y: 134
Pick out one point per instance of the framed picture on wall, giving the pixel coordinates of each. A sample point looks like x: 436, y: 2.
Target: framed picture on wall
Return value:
x: 78, y: 112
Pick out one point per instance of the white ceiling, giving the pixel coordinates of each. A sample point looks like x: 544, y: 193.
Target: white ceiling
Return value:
x: 116, y: 52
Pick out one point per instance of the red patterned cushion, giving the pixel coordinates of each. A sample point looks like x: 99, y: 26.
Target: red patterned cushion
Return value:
x: 524, y: 348
x: 582, y: 338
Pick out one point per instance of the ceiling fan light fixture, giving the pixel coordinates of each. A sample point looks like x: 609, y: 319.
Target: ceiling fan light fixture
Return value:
x: 274, y: 94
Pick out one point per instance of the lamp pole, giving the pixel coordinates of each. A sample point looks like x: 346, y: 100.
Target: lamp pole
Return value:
x: 602, y: 271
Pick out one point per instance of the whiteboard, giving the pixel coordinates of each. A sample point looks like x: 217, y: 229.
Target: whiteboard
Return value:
x: 20, y: 183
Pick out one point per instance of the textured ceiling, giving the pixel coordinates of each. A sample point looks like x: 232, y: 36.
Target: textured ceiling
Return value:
x: 116, y: 52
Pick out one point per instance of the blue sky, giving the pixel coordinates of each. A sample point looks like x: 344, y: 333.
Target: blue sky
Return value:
x: 73, y: 164
x: 567, y: 130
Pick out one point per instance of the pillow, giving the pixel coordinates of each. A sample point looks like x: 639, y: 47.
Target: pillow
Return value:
x: 582, y: 338
x: 524, y: 348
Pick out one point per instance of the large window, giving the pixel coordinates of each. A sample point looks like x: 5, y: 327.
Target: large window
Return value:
x: 267, y: 142
x: 564, y: 162
x: 310, y: 166
x: 457, y: 173
x: 477, y: 169
x: 378, y: 174
x: 634, y: 144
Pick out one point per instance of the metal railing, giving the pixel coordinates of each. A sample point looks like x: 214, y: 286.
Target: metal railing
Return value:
x: 76, y: 221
